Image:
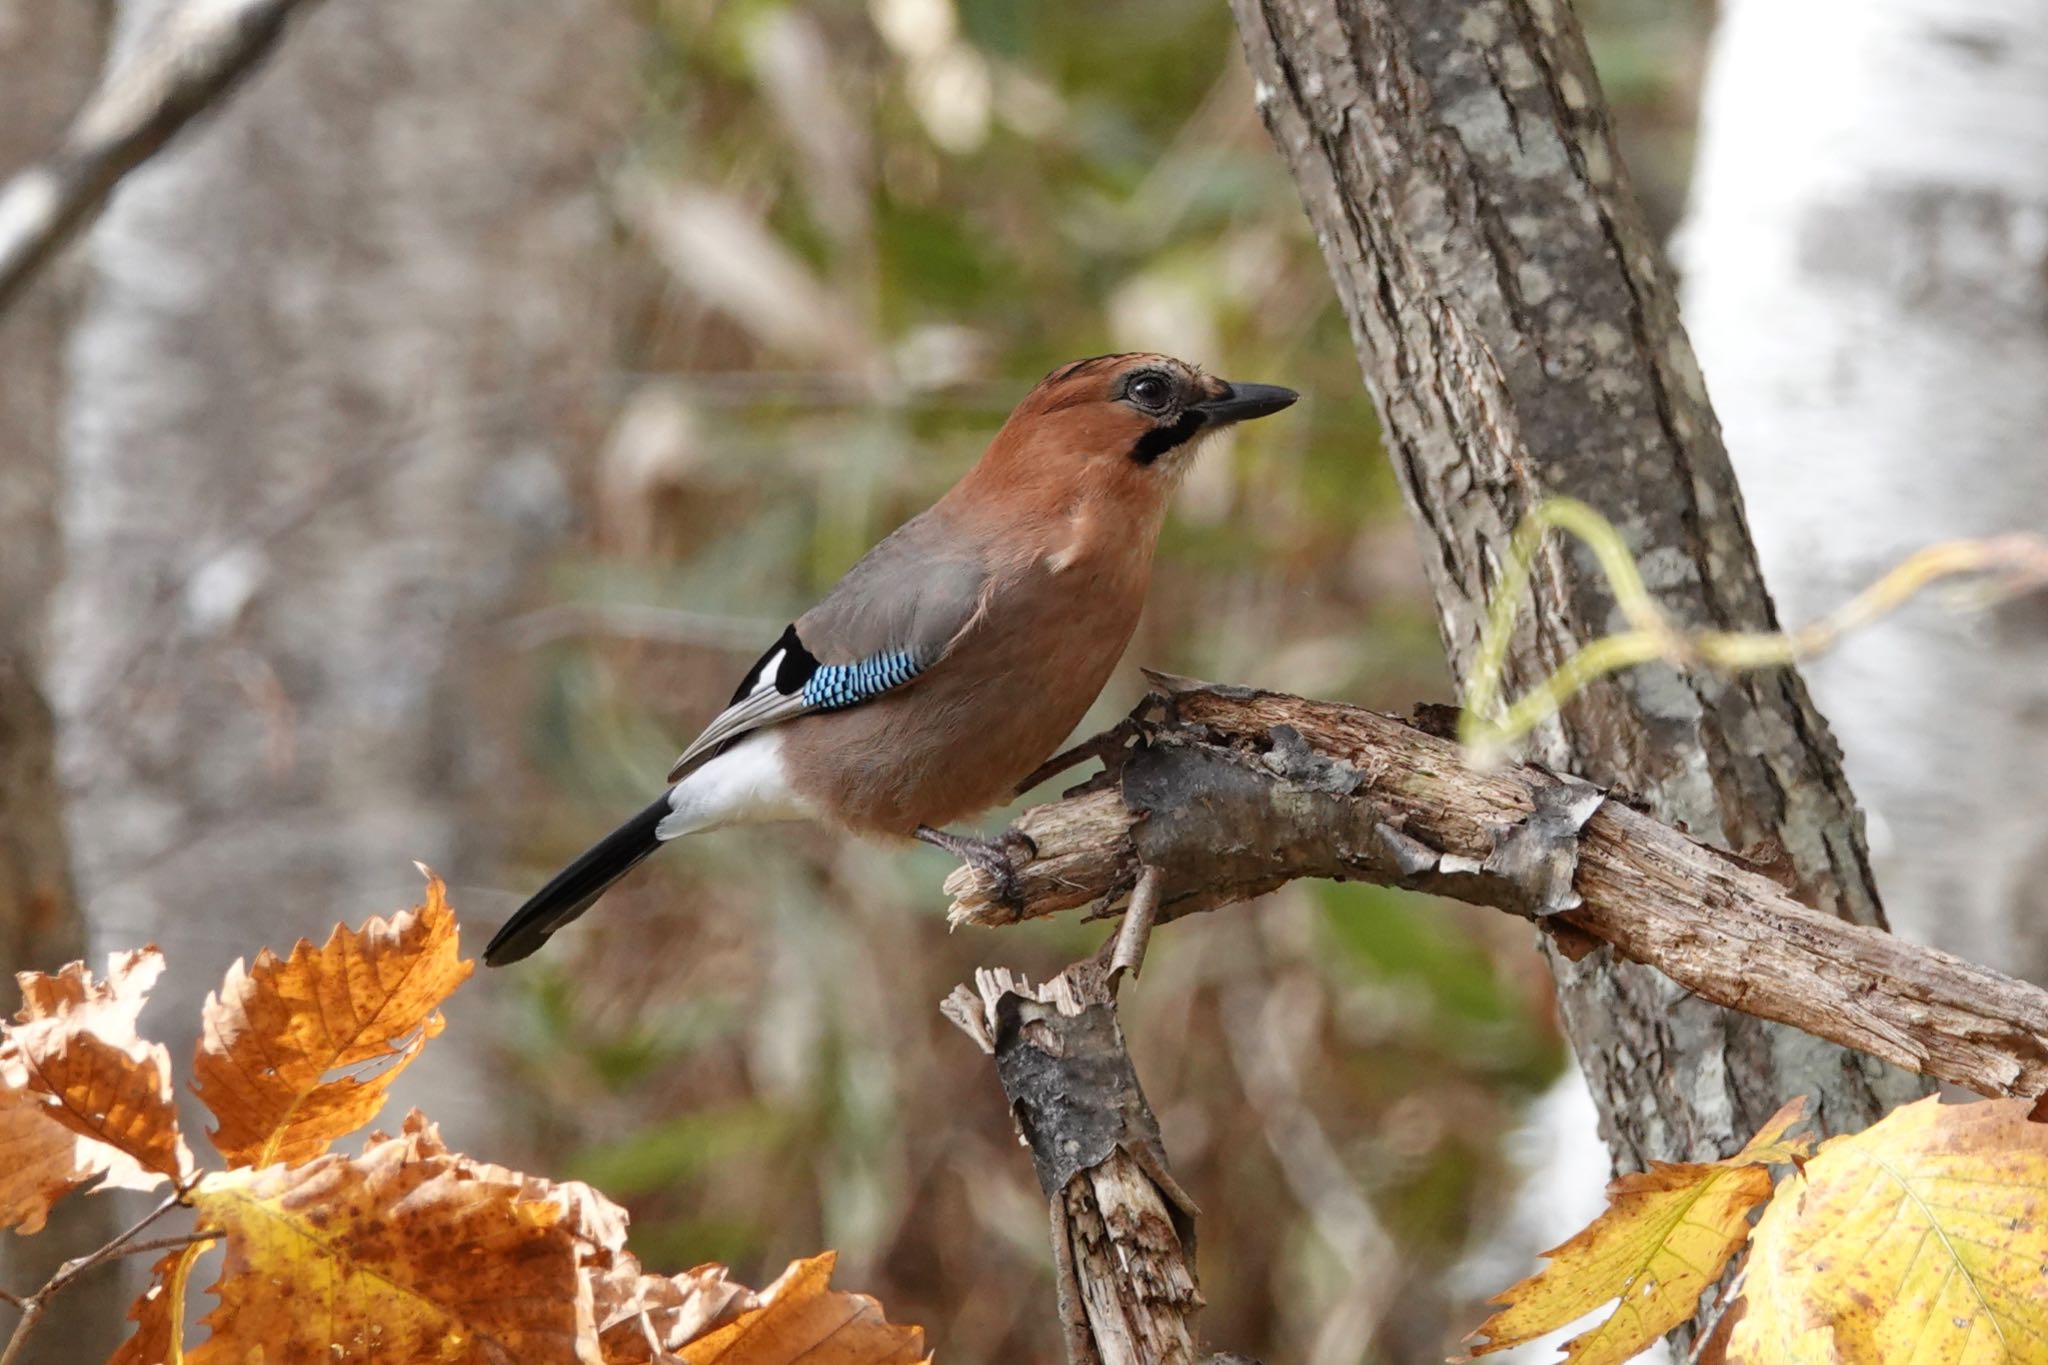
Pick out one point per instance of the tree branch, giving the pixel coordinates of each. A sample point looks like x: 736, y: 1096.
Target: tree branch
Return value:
x: 1234, y: 792
x: 194, y: 56
x: 1123, y: 1230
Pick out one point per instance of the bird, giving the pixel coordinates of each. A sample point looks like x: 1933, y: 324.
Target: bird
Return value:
x: 958, y: 653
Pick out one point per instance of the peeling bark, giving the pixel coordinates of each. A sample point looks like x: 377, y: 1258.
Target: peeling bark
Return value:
x: 1522, y: 341
x: 1123, y: 1230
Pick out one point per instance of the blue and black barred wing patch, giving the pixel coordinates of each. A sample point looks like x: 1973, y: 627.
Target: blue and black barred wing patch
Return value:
x: 788, y: 681
x: 833, y: 687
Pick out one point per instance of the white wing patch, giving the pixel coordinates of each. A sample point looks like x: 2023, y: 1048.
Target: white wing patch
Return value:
x: 764, y: 676
x: 747, y: 784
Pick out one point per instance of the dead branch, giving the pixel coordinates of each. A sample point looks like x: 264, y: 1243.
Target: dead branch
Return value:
x: 1123, y: 1230
x: 194, y: 55
x: 1235, y: 792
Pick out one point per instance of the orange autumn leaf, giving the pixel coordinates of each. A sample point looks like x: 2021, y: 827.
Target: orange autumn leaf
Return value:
x: 801, y: 1321
x: 1662, y: 1241
x: 1921, y: 1238
x: 41, y: 1161
x: 407, y: 1253
x: 277, y: 1028
x: 74, y: 1058
x: 154, y: 1314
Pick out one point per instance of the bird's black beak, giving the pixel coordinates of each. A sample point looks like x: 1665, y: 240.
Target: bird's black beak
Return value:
x: 1241, y: 402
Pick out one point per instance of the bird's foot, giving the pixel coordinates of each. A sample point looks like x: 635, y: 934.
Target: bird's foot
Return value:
x: 991, y: 856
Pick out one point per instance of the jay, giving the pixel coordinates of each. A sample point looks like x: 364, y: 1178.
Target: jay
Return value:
x: 957, y: 654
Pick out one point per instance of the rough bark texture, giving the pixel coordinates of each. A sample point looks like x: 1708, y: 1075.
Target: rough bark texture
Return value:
x: 1122, y: 1227
x: 342, y: 342
x: 1867, y: 282
x: 48, y: 56
x: 1233, y: 792
x: 1521, y: 340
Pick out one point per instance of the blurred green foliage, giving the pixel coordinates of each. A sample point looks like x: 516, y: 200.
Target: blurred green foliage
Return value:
x: 856, y: 234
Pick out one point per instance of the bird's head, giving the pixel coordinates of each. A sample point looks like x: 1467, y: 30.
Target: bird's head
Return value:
x: 1120, y: 427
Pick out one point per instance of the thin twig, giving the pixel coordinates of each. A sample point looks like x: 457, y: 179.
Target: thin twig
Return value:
x: 32, y: 1307
x: 1100, y: 746
x: 2013, y: 563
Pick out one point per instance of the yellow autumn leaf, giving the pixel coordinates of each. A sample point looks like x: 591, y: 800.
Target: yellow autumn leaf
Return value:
x: 1663, y: 1239
x: 801, y: 1321
x: 277, y: 1028
x: 1921, y: 1239
x: 75, y: 1059
x: 407, y: 1253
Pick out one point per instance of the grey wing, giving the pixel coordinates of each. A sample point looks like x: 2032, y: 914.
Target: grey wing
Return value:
x: 895, y: 614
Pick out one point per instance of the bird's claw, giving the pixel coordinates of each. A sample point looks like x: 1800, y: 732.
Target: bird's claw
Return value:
x: 992, y: 857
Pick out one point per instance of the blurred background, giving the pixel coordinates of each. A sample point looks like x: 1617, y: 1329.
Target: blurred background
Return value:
x: 411, y: 460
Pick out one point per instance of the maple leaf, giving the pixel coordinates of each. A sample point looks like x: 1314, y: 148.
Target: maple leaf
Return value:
x: 276, y: 1028
x: 74, y: 1062
x: 1662, y: 1240
x: 799, y: 1321
x: 407, y: 1252
x: 1921, y: 1238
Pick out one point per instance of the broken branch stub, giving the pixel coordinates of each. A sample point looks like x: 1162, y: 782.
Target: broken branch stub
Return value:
x: 1123, y: 1230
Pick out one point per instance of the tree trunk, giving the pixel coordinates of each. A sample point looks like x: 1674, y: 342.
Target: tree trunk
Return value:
x: 48, y: 54
x: 1868, y: 282
x: 342, y: 343
x: 1522, y: 341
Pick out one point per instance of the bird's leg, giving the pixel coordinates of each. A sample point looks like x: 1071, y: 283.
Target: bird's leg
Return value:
x: 992, y: 856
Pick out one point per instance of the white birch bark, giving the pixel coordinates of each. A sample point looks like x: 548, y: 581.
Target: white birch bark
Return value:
x: 48, y: 54
x: 1866, y: 283
x: 1867, y: 286
x: 344, y: 340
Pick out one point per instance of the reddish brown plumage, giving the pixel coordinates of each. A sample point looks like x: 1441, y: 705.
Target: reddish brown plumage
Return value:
x: 1067, y: 520
x: 1005, y: 606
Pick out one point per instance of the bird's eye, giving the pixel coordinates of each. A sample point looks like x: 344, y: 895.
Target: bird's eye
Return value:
x: 1150, y: 391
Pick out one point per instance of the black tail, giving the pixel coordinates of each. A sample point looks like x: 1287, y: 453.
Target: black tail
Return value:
x: 576, y: 886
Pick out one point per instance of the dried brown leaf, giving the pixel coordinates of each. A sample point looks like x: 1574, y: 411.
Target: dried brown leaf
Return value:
x: 278, y: 1027
x: 801, y: 1321
x: 407, y: 1253
x: 40, y: 1161
x: 644, y: 1319
x: 75, y: 1054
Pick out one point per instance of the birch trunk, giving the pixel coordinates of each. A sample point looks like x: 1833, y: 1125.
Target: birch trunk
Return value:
x: 1522, y: 341
x: 343, y: 343
x: 1867, y: 280
x: 48, y: 54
